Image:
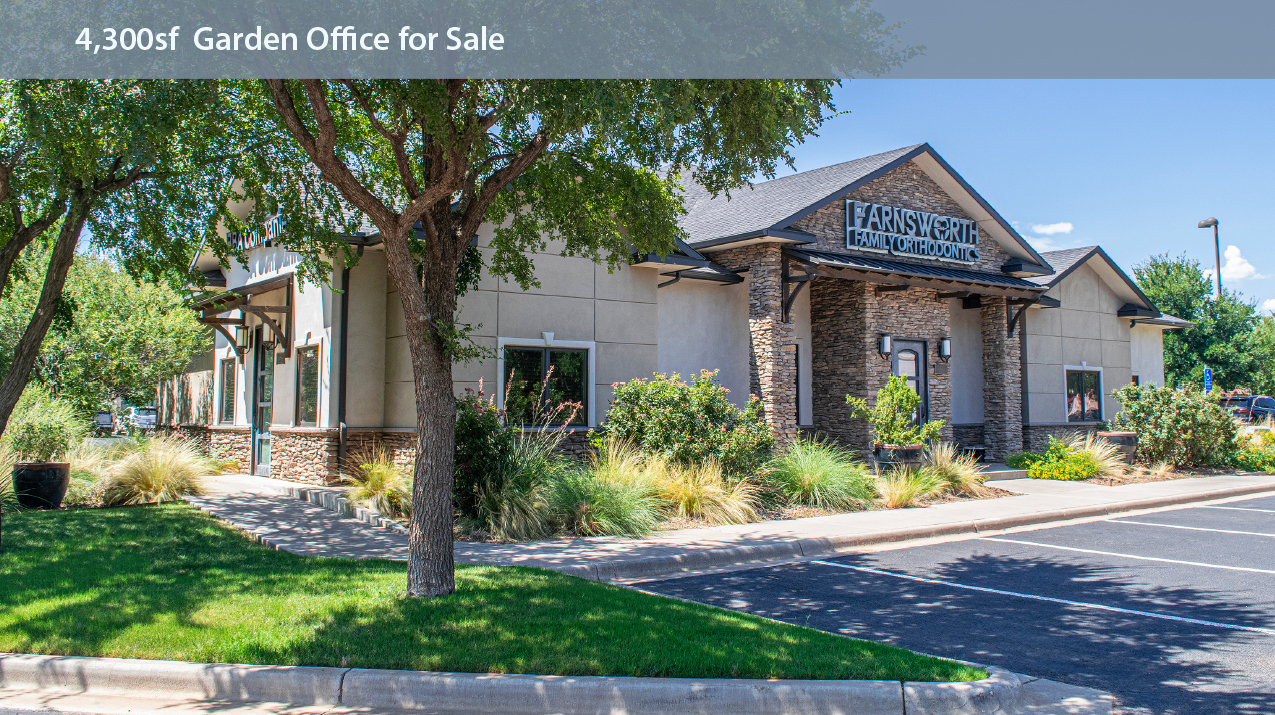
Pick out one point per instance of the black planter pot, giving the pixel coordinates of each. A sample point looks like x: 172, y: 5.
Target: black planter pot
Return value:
x: 1126, y: 442
x: 910, y: 456
x: 41, y: 485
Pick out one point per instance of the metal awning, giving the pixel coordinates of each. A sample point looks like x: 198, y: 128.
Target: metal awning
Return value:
x: 923, y: 275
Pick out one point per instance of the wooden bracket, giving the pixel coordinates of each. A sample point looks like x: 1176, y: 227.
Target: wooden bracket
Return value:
x: 791, y: 288
x: 1015, y: 319
x: 888, y: 289
x: 220, y: 325
x: 957, y: 294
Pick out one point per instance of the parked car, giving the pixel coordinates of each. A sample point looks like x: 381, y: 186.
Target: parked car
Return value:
x: 1249, y: 408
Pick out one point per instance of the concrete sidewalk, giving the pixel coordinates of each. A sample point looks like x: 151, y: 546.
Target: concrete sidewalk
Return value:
x: 262, y: 507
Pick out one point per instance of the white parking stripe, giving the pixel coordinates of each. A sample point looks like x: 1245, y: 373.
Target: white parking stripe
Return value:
x: 1128, y: 556
x: 1050, y: 599
x: 1192, y: 528
x: 1238, y: 508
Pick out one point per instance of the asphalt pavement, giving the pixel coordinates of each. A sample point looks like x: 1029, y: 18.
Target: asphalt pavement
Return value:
x: 1172, y: 611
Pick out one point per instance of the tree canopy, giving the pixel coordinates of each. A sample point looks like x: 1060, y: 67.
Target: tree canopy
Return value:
x: 1226, y: 336
x: 114, y: 336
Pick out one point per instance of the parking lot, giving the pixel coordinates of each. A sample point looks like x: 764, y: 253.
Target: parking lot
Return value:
x: 1172, y: 611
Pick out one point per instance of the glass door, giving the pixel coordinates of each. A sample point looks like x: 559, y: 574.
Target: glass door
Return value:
x: 263, y: 397
x: 908, y: 362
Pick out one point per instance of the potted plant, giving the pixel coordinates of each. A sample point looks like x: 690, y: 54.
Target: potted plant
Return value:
x: 897, y: 436
x: 38, y: 481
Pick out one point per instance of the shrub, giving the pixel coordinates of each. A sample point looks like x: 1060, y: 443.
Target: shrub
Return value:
x: 1023, y: 460
x: 690, y: 423
x: 901, y: 487
x: 959, y: 472
x: 893, y: 418
x: 1060, y: 462
x: 1254, y: 458
x: 699, y: 491
x: 1185, y: 427
x: 379, y: 484
x: 820, y: 473
x: 484, y: 449
x: 587, y: 505
x: 162, y: 469
x: 43, y: 427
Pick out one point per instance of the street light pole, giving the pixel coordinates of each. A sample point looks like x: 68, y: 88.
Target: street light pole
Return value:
x: 1217, y: 251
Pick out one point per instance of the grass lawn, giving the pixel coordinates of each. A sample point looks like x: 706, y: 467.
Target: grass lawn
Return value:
x: 169, y: 582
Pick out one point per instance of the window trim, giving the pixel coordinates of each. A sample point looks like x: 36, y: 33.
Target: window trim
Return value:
x: 1102, y: 408
x: 547, y: 341
x: 318, y: 385
x: 222, y: 418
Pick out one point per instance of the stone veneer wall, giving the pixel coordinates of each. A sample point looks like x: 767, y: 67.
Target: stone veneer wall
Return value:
x: 232, y: 443
x: 305, y: 455
x: 1002, y: 383
x: 1036, y: 437
x: 846, y: 318
x: 906, y: 187
x: 968, y: 435
x: 772, y: 363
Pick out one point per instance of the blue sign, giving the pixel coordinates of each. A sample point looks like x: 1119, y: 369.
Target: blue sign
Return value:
x: 1208, y: 380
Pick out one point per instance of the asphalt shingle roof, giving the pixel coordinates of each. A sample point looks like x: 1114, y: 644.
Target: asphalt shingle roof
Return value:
x: 1062, y: 261
x: 767, y: 203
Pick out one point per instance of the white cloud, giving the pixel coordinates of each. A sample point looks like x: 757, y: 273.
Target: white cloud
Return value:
x: 1050, y: 229
x: 1043, y: 244
x: 1236, y: 267
x: 1268, y: 305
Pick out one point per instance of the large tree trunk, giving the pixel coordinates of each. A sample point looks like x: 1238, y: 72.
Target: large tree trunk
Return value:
x: 430, y: 566
x: 28, y: 349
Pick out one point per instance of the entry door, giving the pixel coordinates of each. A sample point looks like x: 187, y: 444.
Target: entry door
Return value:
x: 909, y: 363
x: 263, y: 391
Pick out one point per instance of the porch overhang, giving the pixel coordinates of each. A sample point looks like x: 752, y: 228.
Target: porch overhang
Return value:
x: 953, y: 282
x: 278, y: 318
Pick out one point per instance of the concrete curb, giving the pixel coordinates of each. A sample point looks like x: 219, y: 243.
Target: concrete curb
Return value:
x: 337, y: 502
x: 999, y: 694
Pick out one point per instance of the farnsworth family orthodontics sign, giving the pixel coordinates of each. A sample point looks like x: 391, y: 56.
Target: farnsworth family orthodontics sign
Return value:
x: 903, y: 232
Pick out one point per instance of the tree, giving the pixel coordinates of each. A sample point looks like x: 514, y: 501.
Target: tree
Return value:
x: 140, y: 163
x: 1222, y: 338
x: 116, y: 337
x: 591, y: 163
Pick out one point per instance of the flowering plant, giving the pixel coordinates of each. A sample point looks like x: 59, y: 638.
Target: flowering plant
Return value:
x: 1181, y: 427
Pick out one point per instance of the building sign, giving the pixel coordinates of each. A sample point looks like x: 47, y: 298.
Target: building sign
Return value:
x: 903, y: 232
x: 248, y: 241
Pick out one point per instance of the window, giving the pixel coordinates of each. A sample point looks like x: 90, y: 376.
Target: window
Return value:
x: 1084, y: 396
x: 1135, y: 380
x: 528, y: 399
x: 227, y: 413
x: 308, y: 386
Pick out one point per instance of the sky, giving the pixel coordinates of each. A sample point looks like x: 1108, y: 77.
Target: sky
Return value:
x: 1129, y: 165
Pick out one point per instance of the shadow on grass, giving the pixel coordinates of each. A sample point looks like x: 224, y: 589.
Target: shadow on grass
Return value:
x: 171, y: 583
x: 1153, y: 665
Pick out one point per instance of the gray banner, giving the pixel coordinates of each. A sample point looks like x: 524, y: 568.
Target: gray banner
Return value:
x: 637, y: 38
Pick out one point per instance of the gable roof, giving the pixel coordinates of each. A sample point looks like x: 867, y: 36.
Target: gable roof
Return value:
x: 771, y: 207
x: 1066, y: 261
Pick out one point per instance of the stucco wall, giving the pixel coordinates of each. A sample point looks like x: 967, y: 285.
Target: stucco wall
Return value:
x: 1084, y: 331
x: 365, y: 368
x: 966, y: 364
x: 1146, y: 354
x: 577, y: 301
x: 703, y: 325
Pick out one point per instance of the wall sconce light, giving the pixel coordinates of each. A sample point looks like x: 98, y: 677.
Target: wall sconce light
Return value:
x: 885, y: 346
x: 241, y: 336
x: 268, y: 345
x: 945, y: 348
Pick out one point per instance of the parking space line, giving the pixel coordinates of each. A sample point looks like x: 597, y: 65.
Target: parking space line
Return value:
x: 1128, y: 556
x: 1194, y: 528
x: 1239, y: 508
x: 1050, y: 599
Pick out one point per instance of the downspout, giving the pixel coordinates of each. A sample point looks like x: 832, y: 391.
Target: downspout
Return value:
x: 344, y: 365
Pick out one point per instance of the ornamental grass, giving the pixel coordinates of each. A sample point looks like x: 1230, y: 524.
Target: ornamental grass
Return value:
x: 958, y: 470
x: 163, y: 469
x: 700, y: 491
x: 379, y: 484
x: 901, y: 487
x: 820, y: 473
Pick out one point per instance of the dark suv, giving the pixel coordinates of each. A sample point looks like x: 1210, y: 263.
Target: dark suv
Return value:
x: 1250, y: 408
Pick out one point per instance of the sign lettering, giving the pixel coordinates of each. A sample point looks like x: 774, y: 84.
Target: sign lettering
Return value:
x: 903, y: 232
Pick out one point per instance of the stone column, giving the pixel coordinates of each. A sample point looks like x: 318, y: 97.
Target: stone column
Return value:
x: 1002, y: 382
x: 772, y: 355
